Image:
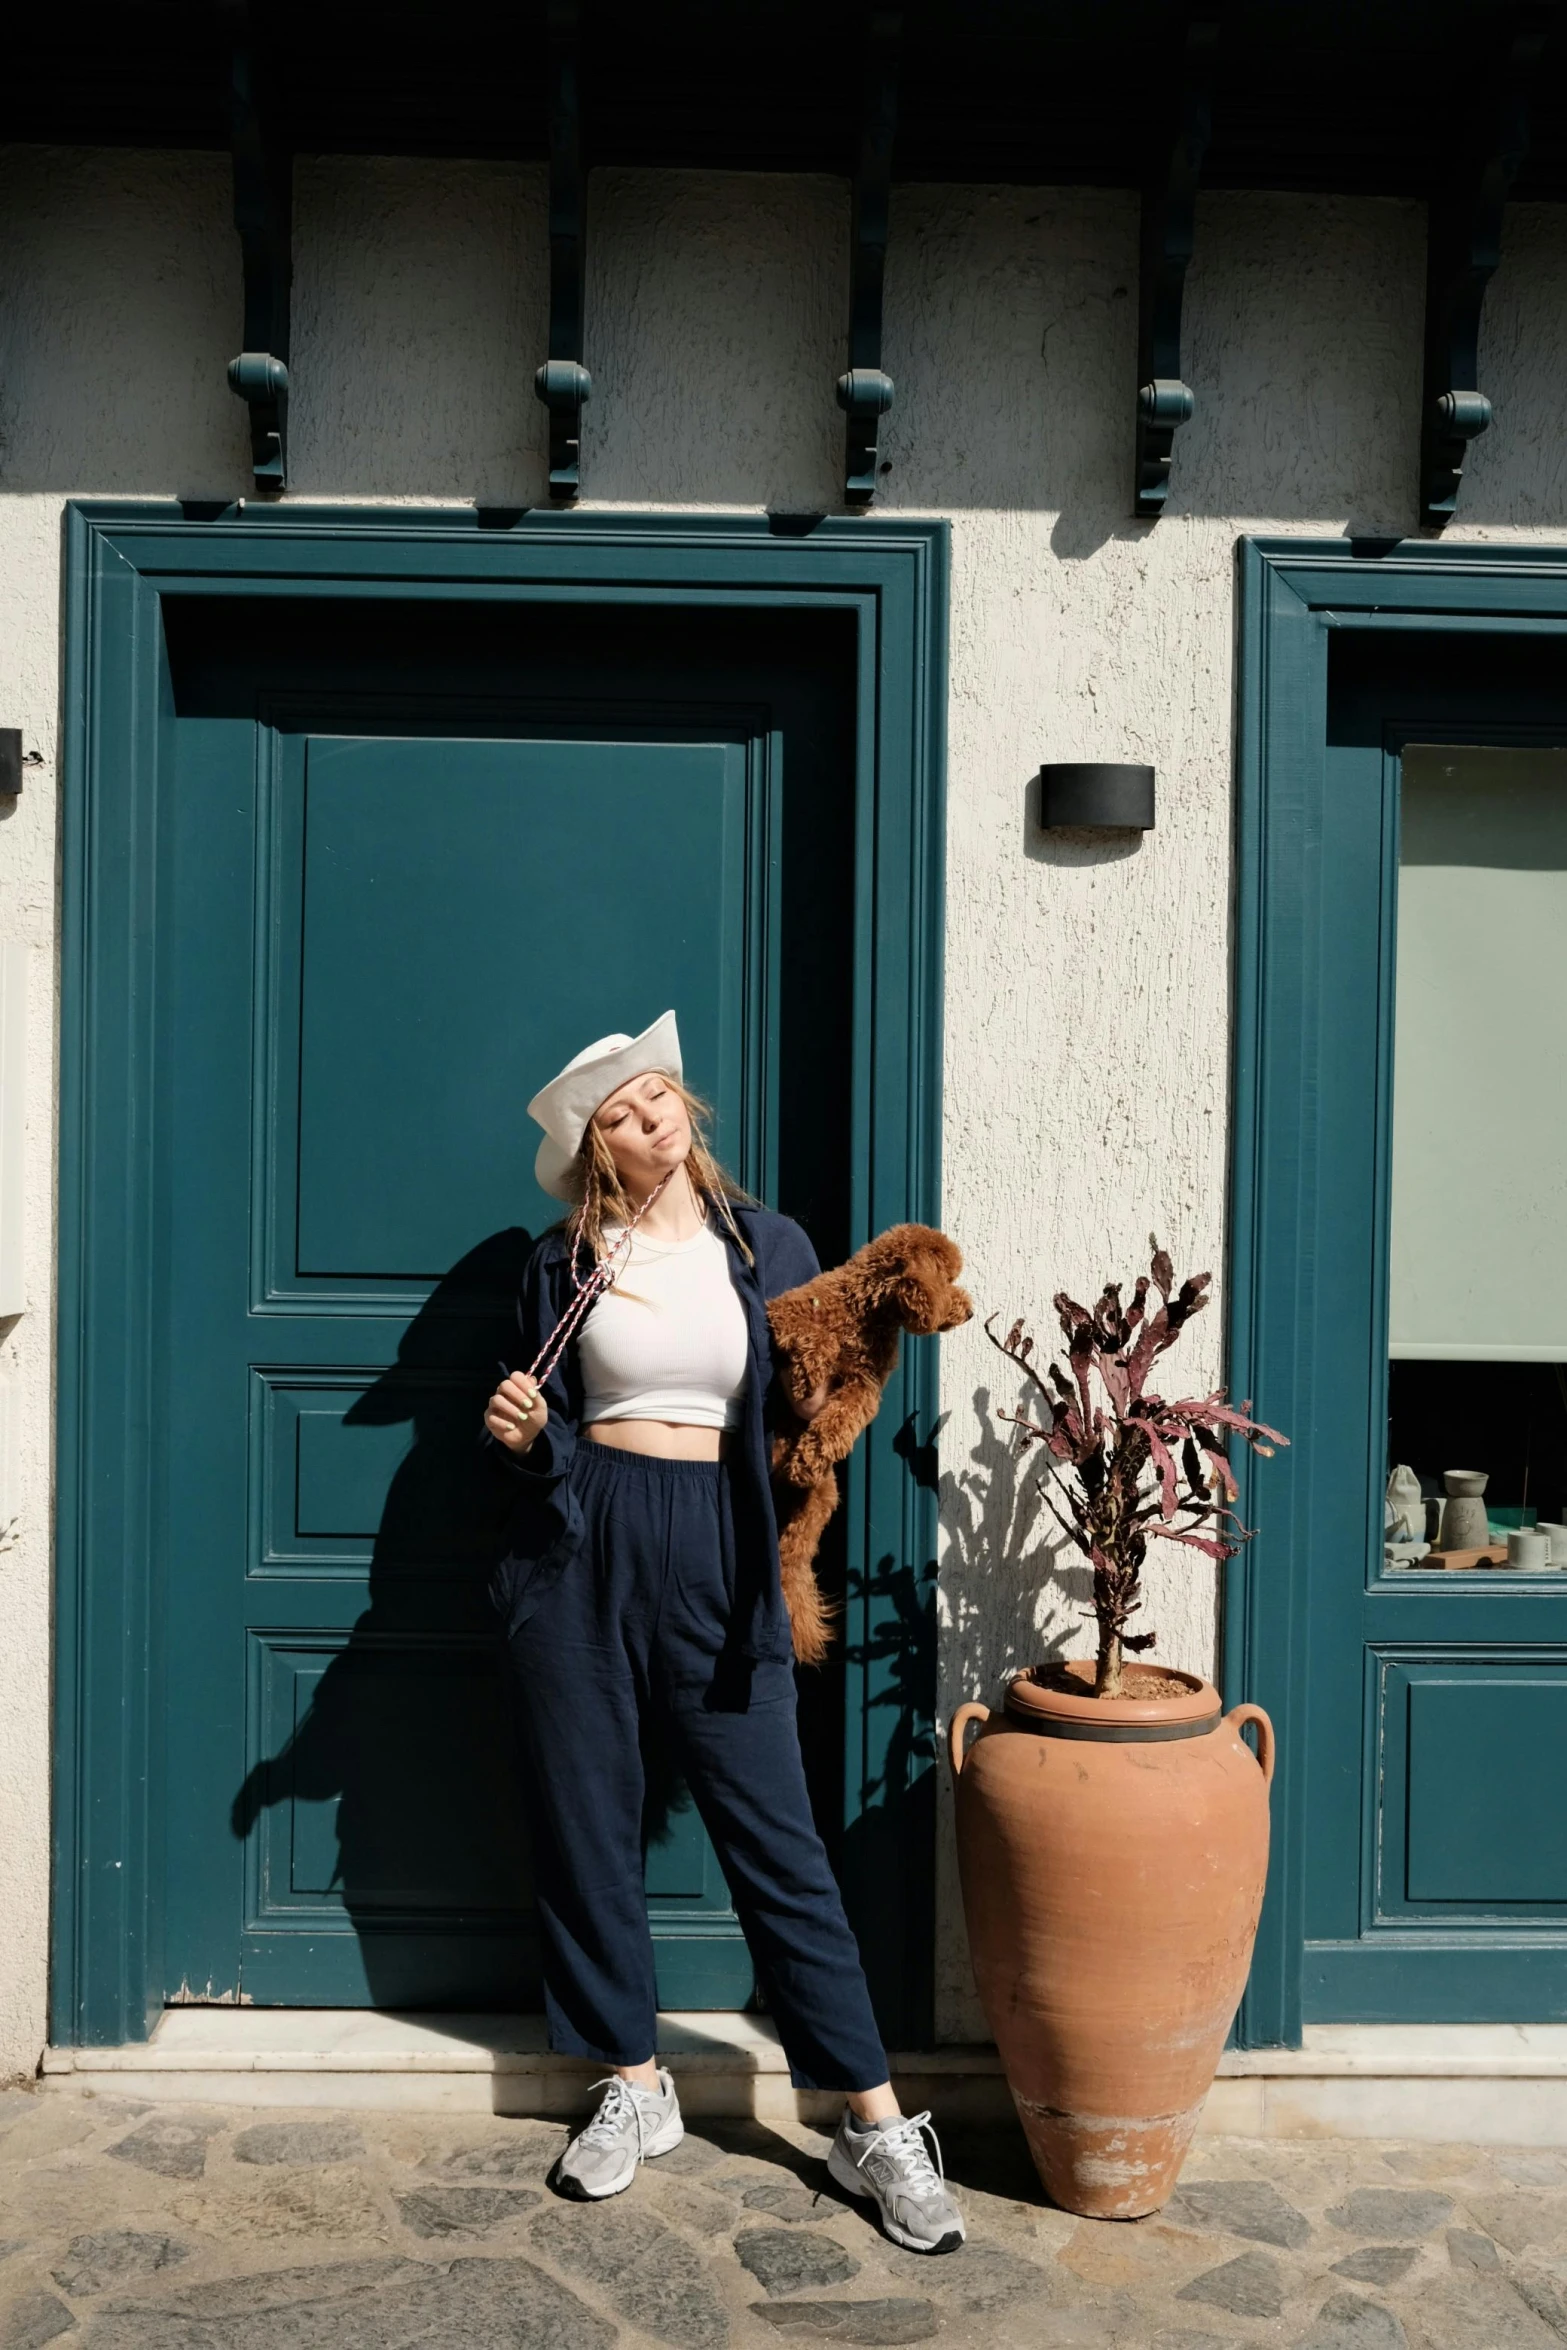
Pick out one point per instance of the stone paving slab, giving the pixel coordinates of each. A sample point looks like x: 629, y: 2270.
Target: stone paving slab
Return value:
x: 133, y: 2227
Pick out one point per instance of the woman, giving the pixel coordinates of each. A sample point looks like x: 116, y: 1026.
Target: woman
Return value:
x: 641, y: 1585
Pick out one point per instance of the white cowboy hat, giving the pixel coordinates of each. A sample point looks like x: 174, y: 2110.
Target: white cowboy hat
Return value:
x: 564, y: 1106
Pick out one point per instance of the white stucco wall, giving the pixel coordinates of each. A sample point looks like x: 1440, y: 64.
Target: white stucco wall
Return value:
x: 119, y: 283
x: 1087, y: 1047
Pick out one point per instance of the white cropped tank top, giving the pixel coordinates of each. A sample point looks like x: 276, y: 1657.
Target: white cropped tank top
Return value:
x: 668, y: 1342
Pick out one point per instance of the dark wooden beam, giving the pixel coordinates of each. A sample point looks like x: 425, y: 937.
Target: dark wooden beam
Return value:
x: 1463, y: 246
x: 1164, y: 401
x: 263, y: 216
x: 864, y: 392
x: 563, y: 383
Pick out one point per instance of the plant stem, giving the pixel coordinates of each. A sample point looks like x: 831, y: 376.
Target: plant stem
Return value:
x: 1107, y: 1677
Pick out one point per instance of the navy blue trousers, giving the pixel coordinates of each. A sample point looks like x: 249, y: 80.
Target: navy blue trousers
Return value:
x: 636, y: 1638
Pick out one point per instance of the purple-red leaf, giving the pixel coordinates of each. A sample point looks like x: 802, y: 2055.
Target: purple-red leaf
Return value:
x: 1164, y: 1468
x: 1215, y: 1550
x: 1125, y: 1462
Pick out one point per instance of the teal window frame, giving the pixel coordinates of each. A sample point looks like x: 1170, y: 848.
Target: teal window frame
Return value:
x: 1294, y: 593
x: 122, y: 559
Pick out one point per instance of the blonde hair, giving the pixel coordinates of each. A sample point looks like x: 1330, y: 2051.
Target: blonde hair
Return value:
x: 599, y: 1197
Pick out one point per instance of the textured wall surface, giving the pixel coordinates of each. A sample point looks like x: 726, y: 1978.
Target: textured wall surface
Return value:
x: 421, y: 308
x: 1086, y: 1034
x: 715, y: 330
x: 118, y: 311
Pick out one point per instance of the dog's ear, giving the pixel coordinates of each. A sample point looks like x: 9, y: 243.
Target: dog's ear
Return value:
x: 883, y: 1262
x: 918, y: 1292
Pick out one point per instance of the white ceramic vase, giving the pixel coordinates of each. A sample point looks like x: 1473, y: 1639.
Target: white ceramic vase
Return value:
x: 1464, y: 1523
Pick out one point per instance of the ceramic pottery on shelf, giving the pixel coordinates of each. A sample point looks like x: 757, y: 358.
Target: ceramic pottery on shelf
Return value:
x: 1112, y: 1855
x: 1528, y: 1548
x: 1406, y: 1508
x: 1464, y: 1522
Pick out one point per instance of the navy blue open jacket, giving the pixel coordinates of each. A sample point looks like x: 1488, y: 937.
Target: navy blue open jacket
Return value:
x: 544, y: 1530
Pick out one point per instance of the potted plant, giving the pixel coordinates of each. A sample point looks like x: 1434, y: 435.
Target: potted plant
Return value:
x: 1112, y: 1821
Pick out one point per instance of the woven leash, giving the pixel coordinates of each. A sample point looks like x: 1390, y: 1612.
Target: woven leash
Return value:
x: 587, y: 1290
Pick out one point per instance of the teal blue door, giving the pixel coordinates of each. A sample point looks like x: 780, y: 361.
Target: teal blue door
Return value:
x: 1433, y: 1063
x: 406, y: 873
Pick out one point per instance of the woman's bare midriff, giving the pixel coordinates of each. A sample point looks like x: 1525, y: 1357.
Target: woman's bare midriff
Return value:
x: 662, y: 1440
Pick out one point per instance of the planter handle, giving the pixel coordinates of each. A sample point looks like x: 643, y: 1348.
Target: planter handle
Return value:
x: 955, y: 1729
x: 1240, y: 1715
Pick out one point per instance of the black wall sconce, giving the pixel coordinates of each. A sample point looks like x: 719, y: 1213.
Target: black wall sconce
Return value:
x: 10, y: 762
x: 1096, y: 795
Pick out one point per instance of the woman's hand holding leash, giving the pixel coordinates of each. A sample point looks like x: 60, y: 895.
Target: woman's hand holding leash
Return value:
x: 516, y: 1412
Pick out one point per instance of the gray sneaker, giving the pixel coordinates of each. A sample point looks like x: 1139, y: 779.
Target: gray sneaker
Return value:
x: 888, y: 2161
x: 630, y: 2126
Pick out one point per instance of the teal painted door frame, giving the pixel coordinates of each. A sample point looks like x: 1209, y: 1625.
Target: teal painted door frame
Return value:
x: 1289, y: 1318
x: 123, y: 560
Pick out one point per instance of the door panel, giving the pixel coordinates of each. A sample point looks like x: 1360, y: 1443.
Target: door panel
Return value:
x: 392, y: 916
x: 1469, y: 1734
x: 397, y: 1076
x: 1437, y: 1696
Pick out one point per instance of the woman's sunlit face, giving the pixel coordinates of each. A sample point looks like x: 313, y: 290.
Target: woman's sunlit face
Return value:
x: 648, y: 1130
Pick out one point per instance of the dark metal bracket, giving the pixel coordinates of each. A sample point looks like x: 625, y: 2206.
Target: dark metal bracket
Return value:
x: 263, y: 209
x: 563, y: 383
x: 864, y: 392
x: 1164, y: 401
x: 1464, y: 243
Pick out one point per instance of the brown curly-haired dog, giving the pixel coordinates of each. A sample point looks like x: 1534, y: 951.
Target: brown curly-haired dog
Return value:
x: 841, y: 1331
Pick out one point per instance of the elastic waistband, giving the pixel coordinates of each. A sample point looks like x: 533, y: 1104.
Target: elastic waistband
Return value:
x: 610, y: 1460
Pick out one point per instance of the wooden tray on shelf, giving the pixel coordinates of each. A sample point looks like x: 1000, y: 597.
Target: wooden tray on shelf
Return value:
x: 1494, y: 1555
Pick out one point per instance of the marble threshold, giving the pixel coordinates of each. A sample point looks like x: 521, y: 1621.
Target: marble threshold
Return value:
x: 1493, y: 2084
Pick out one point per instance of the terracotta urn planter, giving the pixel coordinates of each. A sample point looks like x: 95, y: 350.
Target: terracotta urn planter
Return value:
x: 1112, y: 1853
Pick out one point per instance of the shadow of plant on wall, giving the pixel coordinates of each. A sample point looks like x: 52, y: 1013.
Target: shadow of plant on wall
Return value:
x: 1013, y: 1590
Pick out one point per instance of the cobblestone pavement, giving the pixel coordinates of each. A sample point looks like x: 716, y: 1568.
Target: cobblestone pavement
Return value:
x: 133, y: 2227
